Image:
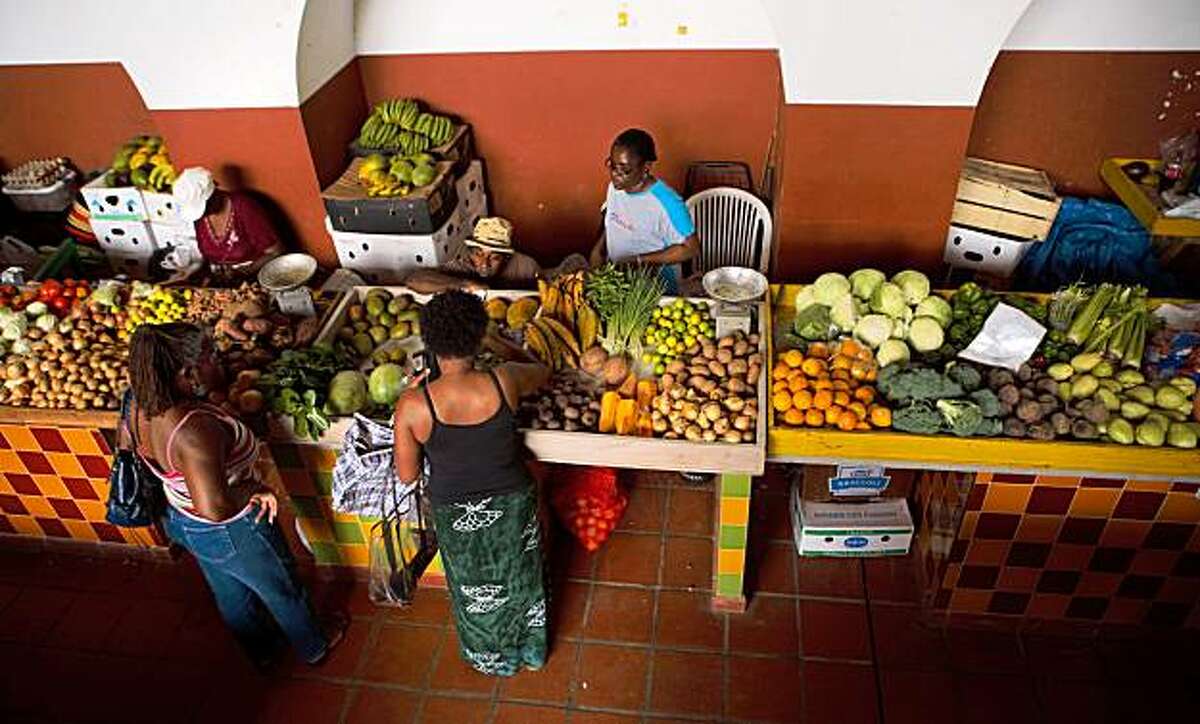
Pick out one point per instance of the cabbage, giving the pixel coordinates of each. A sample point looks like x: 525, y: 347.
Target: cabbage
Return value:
x: 914, y: 284
x: 830, y: 287
x: 13, y: 328
x: 889, y: 300
x: 804, y: 298
x: 21, y: 346
x: 812, y: 322
x: 891, y: 351
x: 386, y: 383
x: 925, y: 334
x: 864, y: 282
x: 46, y: 322
x: 937, y: 308
x: 106, y: 293
x: 844, y: 314
x: 873, y: 329
x: 861, y: 306
x: 899, y: 329
x: 37, y: 309
x: 347, y: 392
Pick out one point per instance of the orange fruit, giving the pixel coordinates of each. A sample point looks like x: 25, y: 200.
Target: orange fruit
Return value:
x: 781, y: 401
x: 822, y: 400
x: 842, y: 375
x: 814, y: 417
x: 802, y: 400
x: 881, y: 416
x: 833, y: 414
x: 794, y: 417
x: 813, y: 367
x: 847, y: 422
x: 842, y: 362
x: 779, y: 386
x: 865, y: 394
x: 858, y: 408
x: 841, y: 398
x: 850, y: 348
x: 862, y: 425
x: 797, y: 383
x: 793, y: 358
x: 818, y: 349
x: 840, y: 385
x: 822, y: 383
x: 780, y: 370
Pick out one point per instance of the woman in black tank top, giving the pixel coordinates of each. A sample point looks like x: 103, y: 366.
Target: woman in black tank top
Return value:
x: 484, y: 501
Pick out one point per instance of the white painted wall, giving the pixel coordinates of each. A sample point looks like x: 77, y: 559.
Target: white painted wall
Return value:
x: 179, y: 53
x: 1108, y: 25
x: 326, y: 43
x: 464, y: 26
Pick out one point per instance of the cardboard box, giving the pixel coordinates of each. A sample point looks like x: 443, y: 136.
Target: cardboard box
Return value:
x: 983, y: 251
x: 869, y: 529
x: 826, y: 483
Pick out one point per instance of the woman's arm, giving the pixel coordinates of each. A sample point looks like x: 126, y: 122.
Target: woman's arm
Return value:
x: 507, y: 349
x: 406, y: 451
x: 599, y: 253
x: 524, y: 378
x: 674, y: 254
x: 429, y: 281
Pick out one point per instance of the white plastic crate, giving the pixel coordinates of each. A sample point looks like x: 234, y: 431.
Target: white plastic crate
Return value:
x: 160, y: 209
x: 981, y: 251
x: 121, y: 203
x: 51, y: 199
x: 136, y: 267
x: 124, y: 238
x: 177, y: 235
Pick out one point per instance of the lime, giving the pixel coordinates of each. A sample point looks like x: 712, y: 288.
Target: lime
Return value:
x: 689, y: 340
x: 693, y: 318
x: 662, y: 349
x: 679, y: 326
x: 656, y: 313
x: 659, y: 369
x: 670, y: 341
x: 680, y: 347
x: 681, y: 302
x: 648, y: 358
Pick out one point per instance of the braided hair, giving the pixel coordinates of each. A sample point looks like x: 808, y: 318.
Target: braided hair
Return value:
x: 157, y: 353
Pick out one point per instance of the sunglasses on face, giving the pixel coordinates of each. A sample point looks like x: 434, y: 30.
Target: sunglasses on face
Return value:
x: 619, y: 169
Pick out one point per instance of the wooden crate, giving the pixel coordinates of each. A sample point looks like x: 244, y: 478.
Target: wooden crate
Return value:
x: 1143, y: 202
x: 1014, y: 201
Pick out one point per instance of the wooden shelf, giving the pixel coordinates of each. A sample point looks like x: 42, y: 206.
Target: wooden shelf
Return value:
x: 100, y: 419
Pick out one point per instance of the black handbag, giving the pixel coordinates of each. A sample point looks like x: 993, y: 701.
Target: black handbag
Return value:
x: 135, y: 495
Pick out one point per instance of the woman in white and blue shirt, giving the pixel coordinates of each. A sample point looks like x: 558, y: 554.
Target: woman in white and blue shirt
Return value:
x: 645, y: 221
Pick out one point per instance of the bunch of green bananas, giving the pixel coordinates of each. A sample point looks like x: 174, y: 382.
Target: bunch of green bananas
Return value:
x: 400, y: 125
x: 396, y: 176
x: 144, y: 163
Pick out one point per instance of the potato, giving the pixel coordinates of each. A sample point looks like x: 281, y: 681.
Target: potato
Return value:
x: 742, y: 422
x: 752, y: 373
x: 733, y: 436
x: 712, y: 411
x: 724, y: 355
x: 717, y: 368
x: 735, y: 404
x: 738, y: 367
x: 694, y: 433
x: 704, y: 423
x: 741, y: 348
x: 736, y: 385
x: 666, y: 382
x: 726, y: 341
x: 721, y: 426
x: 709, y: 436
x: 676, y: 367
x: 748, y: 436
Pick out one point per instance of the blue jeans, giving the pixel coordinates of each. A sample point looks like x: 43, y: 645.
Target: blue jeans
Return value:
x: 249, y: 568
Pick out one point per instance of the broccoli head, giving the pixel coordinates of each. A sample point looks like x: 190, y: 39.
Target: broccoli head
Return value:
x: 901, y: 384
x: 989, y: 403
x: 917, y: 417
x: 962, y: 418
x: 966, y: 375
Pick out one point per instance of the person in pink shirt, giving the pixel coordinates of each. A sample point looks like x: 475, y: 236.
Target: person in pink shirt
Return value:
x: 233, y: 233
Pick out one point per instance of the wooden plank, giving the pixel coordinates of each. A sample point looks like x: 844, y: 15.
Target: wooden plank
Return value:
x: 993, y: 220
x: 1030, y: 180
x: 1134, y: 196
x: 100, y: 419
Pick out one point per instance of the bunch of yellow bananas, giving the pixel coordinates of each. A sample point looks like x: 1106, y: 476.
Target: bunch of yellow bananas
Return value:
x: 147, y: 162
x: 566, y: 325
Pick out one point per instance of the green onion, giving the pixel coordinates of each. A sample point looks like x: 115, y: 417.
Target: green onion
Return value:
x: 1085, y: 322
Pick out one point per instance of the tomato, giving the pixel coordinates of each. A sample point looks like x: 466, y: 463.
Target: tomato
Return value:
x: 5, y: 300
x: 8, y: 290
x: 60, y: 305
x: 69, y: 283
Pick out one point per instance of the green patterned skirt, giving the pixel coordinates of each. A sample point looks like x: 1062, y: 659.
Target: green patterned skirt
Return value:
x: 491, y: 550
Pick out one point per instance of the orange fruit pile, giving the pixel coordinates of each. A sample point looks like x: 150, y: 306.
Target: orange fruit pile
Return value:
x: 828, y: 386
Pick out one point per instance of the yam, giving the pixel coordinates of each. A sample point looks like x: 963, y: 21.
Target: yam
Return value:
x: 593, y: 361
x: 616, y: 370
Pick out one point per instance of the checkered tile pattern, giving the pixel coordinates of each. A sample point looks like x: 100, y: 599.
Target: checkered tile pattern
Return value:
x: 733, y: 527
x: 336, y: 539
x: 54, y: 483
x: 1098, y: 549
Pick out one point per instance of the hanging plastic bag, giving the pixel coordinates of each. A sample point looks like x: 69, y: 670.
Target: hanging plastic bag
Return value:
x: 589, y: 503
x: 400, y: 546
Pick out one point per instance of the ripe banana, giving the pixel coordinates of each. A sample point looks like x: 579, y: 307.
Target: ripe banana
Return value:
x: 536, y: 342
x: 564, y: 335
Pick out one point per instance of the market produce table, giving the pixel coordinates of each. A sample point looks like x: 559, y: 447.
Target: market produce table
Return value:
x: 1032, y: 528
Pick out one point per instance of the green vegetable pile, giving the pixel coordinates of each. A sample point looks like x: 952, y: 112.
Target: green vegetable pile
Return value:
x: 296, y: 385
x: 624, y: 298
x: 929, y: 402
x: 1114, y: 320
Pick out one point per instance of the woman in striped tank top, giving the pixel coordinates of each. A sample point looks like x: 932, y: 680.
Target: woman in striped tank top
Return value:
x: 218, y: 507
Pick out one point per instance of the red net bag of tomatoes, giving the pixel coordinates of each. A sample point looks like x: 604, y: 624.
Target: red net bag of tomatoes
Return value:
x: 588, y: 502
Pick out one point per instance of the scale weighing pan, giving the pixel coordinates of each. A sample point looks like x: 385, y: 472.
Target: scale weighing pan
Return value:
x: 734, y: 287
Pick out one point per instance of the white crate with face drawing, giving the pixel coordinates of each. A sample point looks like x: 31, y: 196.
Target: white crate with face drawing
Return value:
x: 160, y: 209
x: 125, y: 238
x: 177, y: 235
x: 105, y: 203
x: 985, y: 252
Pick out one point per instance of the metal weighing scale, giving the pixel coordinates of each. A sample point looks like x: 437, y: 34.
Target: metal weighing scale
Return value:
x: 735, y: 288
x: 285, y: 278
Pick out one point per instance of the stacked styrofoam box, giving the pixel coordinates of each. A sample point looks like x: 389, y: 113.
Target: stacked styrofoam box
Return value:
x: 130, y: 225
x: 389, y: 258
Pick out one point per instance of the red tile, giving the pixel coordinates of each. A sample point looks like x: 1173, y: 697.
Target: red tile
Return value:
x: 917, y: 697
x: 438, y: 709
x: 685, y: 620
x: 893, y: 578
x: 620, y: 614
x: 551, y: 684
x: 37, y: 464
x: 628, y: 558
x: 509, y: 713
x: 22, y: 484
x: 994, y: 699
x: 343, y: 660
x: 687, y: 563
x: 373, y: 705
x: 595, y: 717
x: 93, y: 465
x: 905, y: 640
x: 647, y: 510
x: 568, y: 604
x: 838, y: 577
x: 770, y: 518
x: 87, y: 623
x: 52, y: 527
x: 452, y: 673
x: 351, y: 596
x: 768, y: 627
x: 403, y: 655
x: 690, y: 512
x: 314, y: 702
x: 49, y: 439
x: 1135, y: 505
x: 843, y: 693
x: 66, y: 509
x: 749, y: 681
x: 146, y: 627
x: 612, y: 677
x: 686, y: 683
x: 33, y: 614
x: 570, y: 559
x: 985, y: 651
x: 1071, y: 701
x: 773, y: 569
x: 1063, y: 657
x: 834, y: 630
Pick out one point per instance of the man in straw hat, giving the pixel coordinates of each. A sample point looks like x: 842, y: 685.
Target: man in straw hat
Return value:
x: 488, y: 259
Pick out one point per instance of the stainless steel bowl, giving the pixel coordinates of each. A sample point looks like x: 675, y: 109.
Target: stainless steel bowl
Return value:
x: 734, y: 284
x: 287, y: 272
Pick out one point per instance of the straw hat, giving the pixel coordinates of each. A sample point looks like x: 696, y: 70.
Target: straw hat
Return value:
x: 492, y: 233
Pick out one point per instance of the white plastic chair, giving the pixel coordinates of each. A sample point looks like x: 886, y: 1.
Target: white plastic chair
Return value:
x: 734, y: 229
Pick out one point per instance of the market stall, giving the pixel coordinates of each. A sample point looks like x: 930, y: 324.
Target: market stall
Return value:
x: 1066, y: 526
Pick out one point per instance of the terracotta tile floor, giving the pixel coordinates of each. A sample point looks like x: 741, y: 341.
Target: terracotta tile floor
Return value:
x: 82, y: 639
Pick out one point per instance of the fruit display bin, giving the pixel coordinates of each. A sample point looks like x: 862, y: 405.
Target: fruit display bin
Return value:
x: 950, y: 453
x: 422, y: 211
x: 459, y: 150
x: 50, y: 199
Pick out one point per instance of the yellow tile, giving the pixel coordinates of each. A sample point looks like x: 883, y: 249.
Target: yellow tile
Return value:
x: 66, y: 464
x: 731, y: 561
x: 316, y: 530
x: 1094, y: 502
x: 1005, y: 498
x: 354, y: 555
x: 983, y: 478
x: 10, y: 462
x: 1155, y: 486
x: 80, y: 441
x: 93, y: 510
x: 80, y: 530
x: 1180, y: 508
x: 37, y: 505
x: 735, y: 511
x: 20, y: 438
x: 435, y: 566
x: 5, y: 487
x: 1059, y: 481
x: 51, y: 486
x: 26, y: 525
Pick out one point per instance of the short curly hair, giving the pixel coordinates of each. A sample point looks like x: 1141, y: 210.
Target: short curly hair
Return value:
x: 453, y: 324
x: 640, y: 143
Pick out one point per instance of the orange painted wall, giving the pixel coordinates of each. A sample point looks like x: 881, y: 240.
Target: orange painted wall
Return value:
x: 1065, y: 112
x: 544, y: 121
x: 81, y: 111
x: 260, y: 149
x: 332, y: 117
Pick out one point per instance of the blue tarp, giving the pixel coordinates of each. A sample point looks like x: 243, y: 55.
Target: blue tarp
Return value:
x: 1093, y: 241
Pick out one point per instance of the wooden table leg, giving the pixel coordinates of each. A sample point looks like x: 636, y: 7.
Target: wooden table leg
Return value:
x: 732, y: 521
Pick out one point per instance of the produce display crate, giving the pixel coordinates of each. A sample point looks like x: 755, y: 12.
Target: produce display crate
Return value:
x: 459, y: 150
x: 947, y: 452
x: 1008, y: 200
x: 51, y: 199
x: 420, y: 212
x: 1140, y: 203
x: 113, y: 203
